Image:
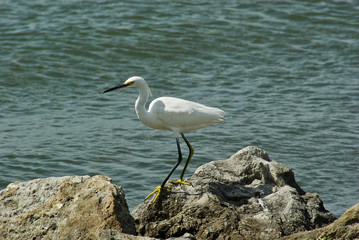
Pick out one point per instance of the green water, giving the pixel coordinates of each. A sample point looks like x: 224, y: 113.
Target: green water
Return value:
x: 285, y: 72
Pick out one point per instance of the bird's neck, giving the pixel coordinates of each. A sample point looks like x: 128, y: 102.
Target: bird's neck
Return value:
x: 141, y: 101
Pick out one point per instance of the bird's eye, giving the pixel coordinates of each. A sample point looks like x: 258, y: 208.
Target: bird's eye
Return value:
x: 130, y: 83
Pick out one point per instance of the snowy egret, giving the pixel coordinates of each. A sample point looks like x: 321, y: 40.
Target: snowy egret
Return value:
x: 172, y: 114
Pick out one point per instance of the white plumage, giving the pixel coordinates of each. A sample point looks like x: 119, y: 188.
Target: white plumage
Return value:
x: 172, y: 114
x: 180, y: 115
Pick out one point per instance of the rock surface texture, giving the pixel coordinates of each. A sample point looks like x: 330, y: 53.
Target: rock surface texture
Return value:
x: 346, y: 227
x: 247, y: 196
x: 64, y: 208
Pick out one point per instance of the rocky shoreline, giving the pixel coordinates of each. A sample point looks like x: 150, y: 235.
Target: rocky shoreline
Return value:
x: 247, y: 196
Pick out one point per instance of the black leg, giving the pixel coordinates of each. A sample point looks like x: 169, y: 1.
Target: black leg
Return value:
x: 178, y: 162
x: 191, y: 151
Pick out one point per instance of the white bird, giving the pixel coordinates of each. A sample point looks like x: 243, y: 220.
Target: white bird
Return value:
x: 172, y: 114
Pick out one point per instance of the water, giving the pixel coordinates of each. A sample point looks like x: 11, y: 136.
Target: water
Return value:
x: 285, y: 72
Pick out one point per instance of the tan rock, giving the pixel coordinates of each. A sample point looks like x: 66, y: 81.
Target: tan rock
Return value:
x: 63, y: 208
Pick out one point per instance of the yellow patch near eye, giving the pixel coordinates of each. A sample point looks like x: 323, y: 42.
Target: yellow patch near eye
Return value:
x: 130, y: 83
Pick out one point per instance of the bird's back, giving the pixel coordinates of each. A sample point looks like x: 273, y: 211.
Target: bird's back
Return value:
x: 181, y: 115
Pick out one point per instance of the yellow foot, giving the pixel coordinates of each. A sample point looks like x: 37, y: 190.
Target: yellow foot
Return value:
x: 179, y: 181
x: 157, y: 189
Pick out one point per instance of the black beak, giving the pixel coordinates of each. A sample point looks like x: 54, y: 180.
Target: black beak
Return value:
x: 114, y: 88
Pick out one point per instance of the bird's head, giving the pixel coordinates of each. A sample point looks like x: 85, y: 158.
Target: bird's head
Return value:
x: 137, y: 82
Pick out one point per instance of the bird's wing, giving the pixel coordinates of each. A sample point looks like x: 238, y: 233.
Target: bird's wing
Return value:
x: 185, y: 115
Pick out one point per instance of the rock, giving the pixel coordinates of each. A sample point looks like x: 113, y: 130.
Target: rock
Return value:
x: 64, y: 208
x: 247, y: 196
x: 346, y: 227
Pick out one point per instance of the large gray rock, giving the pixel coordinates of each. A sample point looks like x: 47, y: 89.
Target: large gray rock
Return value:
x: 247, y: 196
x: 65, y: 208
